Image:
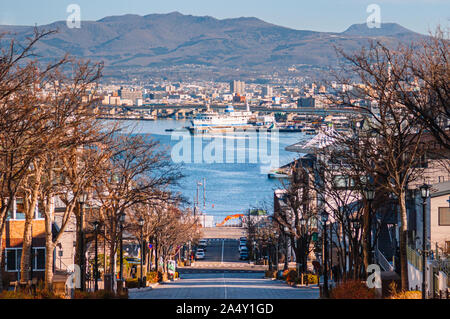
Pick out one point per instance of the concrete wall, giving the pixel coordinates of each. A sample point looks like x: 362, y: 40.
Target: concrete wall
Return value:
x: 224, y: 232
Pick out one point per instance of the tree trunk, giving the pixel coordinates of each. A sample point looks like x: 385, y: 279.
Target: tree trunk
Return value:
x: 25, y: 261
x: 1, y: 259
x: 49, y: 249
x: 366, y: 239
x: 403, y: 243
x: 156, y: 256
x: 4, y: 208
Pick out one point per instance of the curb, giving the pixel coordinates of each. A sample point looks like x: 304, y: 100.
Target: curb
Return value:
x: 149, y: 287
x: 140, y: 289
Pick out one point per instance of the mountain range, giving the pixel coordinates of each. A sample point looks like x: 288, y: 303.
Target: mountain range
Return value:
x: 166, y: 40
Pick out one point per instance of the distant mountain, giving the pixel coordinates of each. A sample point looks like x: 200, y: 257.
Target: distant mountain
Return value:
x: 162, y: 40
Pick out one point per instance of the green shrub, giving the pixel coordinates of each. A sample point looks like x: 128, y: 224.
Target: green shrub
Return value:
x: 311, y: 279
x: 292, y: 276
x: 154, y: 277
x: 132, y: 283
x: 271, y: 274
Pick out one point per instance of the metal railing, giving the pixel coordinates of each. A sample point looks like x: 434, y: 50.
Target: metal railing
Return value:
x: 414, y: 258
x: 383, y: 262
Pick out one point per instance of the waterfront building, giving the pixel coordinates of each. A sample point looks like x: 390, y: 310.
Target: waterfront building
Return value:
x: 237, y: 87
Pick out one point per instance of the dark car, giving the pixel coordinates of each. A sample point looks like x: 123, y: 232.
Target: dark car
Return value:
x: 243, y: 255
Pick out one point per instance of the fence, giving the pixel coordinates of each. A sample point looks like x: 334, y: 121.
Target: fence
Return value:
x: 384, y: 263
x: 414, y: 258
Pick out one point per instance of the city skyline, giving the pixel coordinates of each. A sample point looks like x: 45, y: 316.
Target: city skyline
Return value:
x: 334, y: 16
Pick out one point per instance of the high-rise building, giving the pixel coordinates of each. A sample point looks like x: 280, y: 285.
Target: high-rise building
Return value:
x: 130, y: 94
x: 267, y: 91
x: 237, y: 87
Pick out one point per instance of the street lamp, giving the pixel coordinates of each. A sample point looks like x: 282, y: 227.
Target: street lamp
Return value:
x: 425, y: 193
x: 277, y: 236
x: 286, y: 265
x: 304, y: 234
x: 121, y: 223
x: 369, y: 194
x: 82, y: 199
x: 141, y: 224
x: 96, y: 224
x: 324, y: 217
x: 269, y: 252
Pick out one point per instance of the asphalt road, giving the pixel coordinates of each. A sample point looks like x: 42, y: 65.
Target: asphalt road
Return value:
x: 226, y: 250
x: 222, y: 285
x: 221, y: 275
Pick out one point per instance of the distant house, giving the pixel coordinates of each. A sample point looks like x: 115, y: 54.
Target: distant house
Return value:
x: 440, y: 217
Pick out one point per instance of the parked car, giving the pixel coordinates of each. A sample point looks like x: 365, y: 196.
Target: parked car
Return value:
x: 203, y: 242
x: 200, y: 254
x: 243, y: 239
x: 202, y: 246
x: 242, y: 247
x: 243, y: 255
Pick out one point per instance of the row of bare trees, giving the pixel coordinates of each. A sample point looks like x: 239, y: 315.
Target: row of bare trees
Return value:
x: 54, y: 150
x: 405, y: 125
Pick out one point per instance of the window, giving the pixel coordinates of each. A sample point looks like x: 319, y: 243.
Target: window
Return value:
x: 20, y: 209
x: 13, y: 256
x: 10, y: 214
x: 444, y: 216
x: 17, y: 211
x: 340, y: 181
x: 39, y: 214
x: 447, y: 247
x: 39, y: 259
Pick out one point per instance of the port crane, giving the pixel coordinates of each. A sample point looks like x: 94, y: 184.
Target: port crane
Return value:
x: 228, y: 218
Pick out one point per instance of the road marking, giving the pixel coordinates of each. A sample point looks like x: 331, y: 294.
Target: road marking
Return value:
x: 224, y: 286
x: 223, y: 241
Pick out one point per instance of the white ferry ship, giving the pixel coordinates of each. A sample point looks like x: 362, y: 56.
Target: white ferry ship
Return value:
x: 227, y: 121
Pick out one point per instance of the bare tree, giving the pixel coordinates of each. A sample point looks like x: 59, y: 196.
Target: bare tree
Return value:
x: 390, y: 146
x: 299, y: 215
x: 22, y: 138
x: 138, y: 172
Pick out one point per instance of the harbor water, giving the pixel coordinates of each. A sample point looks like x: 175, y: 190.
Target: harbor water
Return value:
x: 233, y: 184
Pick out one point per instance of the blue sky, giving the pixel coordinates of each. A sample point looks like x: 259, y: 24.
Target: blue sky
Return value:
x: 318, y: 15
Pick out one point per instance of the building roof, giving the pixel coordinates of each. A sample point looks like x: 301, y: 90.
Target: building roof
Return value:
x: 440, y: 189
x: 323, y: 139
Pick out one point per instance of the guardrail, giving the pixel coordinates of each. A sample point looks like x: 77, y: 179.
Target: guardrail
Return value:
x: 383, y: 262
x: 414, y: 258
